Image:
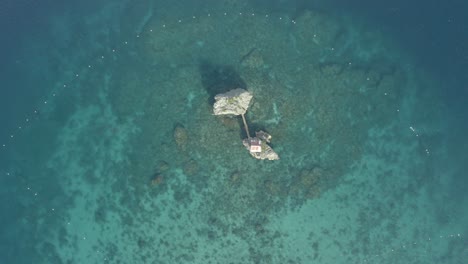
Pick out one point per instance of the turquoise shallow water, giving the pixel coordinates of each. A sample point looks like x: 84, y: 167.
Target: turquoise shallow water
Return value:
x: 112, y: 154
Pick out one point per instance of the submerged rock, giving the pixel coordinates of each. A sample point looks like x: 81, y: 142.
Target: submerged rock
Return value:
x: 163, y: 166
x: 253, y: 59
x: 157, y: 180
x: 180, y: 136
x: 190, y: 167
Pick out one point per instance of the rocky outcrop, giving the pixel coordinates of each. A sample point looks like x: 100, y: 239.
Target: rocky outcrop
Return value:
x: 234, y: 102
x: 264, y: 151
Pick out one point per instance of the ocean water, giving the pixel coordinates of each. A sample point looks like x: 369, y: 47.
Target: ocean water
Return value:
x: 110, y: 152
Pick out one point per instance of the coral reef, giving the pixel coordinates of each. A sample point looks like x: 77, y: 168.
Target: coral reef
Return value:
x: 157, y: 180
x: 180, y: 136
x: 308, y: 182
x: 307, y: 94
x: 253, y: 59
x: 191, y: 167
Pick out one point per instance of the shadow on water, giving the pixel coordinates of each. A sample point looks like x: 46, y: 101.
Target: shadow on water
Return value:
x: 218, y: 79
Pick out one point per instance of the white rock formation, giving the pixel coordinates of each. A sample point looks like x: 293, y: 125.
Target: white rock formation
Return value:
x: 234, y: 102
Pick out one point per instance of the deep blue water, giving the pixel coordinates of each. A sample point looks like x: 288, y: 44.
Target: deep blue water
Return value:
x: 434, y: 33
